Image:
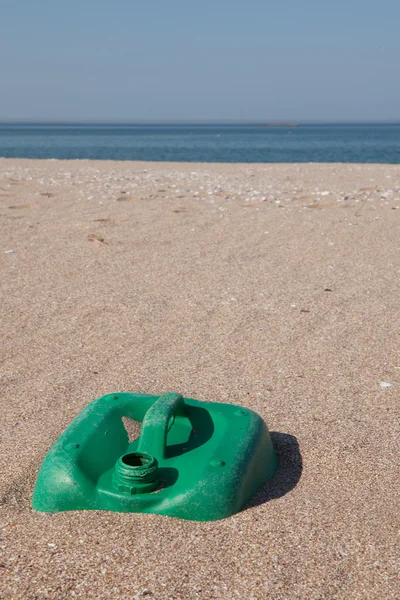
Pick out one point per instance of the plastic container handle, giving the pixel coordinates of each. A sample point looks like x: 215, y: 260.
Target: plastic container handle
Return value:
x: 153, y: 435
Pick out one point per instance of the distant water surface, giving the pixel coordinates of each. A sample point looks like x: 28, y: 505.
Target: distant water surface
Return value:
x: 204, y: 143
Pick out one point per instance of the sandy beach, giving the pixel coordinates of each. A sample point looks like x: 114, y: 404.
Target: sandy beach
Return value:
x: 271, y: 286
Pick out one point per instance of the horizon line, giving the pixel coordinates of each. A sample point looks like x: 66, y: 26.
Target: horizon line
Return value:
x: 205, y: 122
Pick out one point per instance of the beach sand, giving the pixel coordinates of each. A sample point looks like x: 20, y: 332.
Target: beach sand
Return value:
x: 271, y: 286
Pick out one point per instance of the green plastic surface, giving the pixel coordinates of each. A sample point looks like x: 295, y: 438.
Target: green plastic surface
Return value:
x: 193, y: 460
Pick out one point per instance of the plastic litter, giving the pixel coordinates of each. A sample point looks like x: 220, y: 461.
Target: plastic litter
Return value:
x: 193, y: 460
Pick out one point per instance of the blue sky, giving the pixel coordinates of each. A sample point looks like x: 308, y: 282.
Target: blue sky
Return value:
x: 155, y: 60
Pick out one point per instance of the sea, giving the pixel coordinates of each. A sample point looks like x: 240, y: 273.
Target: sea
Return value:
x: 238, y: 143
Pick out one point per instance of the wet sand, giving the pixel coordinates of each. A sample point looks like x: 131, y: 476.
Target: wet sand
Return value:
x: 271, y: 286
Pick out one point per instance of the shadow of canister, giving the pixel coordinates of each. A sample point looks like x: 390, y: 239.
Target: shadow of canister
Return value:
x: 290, y: 467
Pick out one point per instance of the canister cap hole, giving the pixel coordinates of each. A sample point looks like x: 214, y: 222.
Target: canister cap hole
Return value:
x: 134, y: 459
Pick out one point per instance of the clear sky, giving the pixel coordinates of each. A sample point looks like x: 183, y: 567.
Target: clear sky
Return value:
x: 200, y: 60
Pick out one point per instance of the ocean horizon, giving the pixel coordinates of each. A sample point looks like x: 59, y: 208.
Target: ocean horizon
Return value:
x: 256, y: 142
